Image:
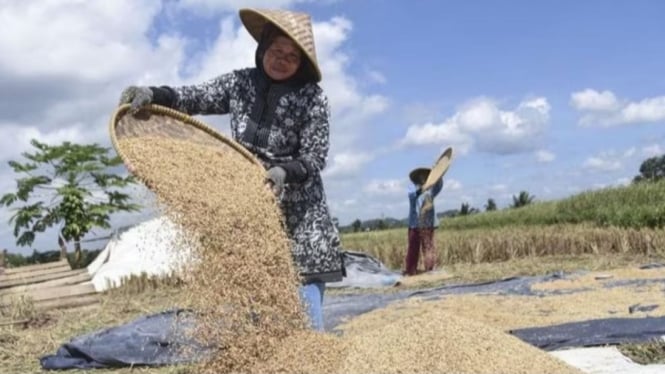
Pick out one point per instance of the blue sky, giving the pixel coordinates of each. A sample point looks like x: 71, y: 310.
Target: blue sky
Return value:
x: 552, y: 97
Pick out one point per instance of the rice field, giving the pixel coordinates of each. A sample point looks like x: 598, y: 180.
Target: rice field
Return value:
x: 626, y: 220
x: 490, y: 245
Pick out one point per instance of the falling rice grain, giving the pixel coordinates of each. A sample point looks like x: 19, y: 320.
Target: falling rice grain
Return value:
x: 244, y: 282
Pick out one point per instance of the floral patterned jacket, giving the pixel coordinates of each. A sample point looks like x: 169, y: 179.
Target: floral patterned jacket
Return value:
x: 293, y: 135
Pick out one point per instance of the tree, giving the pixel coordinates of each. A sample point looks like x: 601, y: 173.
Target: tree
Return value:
x: 522, y: 199
x: 491, y: 205
x: 651, y: 169
x: 466, y: 209
x: 67, y: 186
x: 357, y: 224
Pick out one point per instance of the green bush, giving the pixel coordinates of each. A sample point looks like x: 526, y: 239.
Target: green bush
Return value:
x: 634, y: 206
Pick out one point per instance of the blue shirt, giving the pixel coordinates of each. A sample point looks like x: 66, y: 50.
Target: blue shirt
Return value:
x: 429, y: 219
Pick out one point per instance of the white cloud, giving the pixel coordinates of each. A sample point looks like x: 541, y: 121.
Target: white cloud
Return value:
x: 610, y: 160
x: 630, y: 152
x: 17, y: 138
x: 499, y: 188
x: 545, y: 156
x: 594, y: 101
x: 366, y: 207
x: 349, y: 202
x: 451, y: 185
x: 604, y: 109
x: 447, y: 133
x: 623, y: 181
x: 351, y: 108
x: 82, y: 40
x: 234, y: 48
x: 347, y: 164
x: 211, y: 7
x: 602, y: 164
x: 386, y: 187
x: 653, y: 150
x: 574, y: 189
x: 647, y: 110
x: 65, y: 62
x: 480, y: 123
x: 376, y: 77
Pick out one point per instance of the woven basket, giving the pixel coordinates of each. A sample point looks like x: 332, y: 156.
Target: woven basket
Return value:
x: 154, y: 120
x: 439, y: 169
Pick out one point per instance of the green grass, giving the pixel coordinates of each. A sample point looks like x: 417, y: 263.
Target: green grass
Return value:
x: 645, y: 353
x: 635, y: 206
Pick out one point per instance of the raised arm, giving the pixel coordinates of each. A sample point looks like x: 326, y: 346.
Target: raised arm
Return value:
x: 210, y: 97
x: 438, y: 186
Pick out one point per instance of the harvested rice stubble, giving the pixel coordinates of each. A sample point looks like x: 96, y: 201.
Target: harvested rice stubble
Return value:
x: 244, y: 281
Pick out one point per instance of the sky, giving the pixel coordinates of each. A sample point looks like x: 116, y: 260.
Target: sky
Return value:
x: 550, y: 97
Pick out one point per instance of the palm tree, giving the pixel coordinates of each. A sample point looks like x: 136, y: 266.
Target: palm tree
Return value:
x: 491, y: 205
x: 523, y: 199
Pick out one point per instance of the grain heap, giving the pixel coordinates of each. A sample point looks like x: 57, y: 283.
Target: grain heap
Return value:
x: 430, y: 340
x: 243, y: 281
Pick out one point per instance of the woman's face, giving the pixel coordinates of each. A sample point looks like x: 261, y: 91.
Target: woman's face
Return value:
x: 282, y: 59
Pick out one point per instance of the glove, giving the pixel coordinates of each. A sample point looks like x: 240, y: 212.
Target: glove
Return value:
x: 275, y: 178
x: 137, y: 97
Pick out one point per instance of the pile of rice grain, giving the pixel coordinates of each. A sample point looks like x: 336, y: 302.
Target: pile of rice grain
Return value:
x: 431, y: 340
x: 243, y: 281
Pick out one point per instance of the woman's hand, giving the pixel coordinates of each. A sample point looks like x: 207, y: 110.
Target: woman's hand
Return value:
x: 275, y: 179
x: 138, y: 97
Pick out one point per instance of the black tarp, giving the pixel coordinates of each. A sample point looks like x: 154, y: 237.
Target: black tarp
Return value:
x: 598, y: 332
x: 153, y: 340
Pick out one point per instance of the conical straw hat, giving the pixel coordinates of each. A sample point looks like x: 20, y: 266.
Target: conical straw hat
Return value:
x: 298, y: 26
